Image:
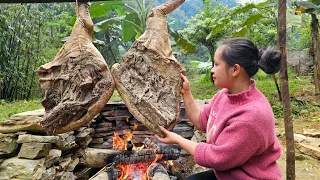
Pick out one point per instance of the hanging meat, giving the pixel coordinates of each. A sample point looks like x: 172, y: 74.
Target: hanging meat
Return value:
x: 148, y: 78
x: 77, y: 83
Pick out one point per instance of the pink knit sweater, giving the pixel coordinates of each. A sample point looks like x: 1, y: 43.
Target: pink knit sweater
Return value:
x: 241, y: 141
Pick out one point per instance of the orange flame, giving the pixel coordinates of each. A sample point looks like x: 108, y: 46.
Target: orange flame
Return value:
x: 158, y: 156
x: 127, y: 170
x: 135, y: 126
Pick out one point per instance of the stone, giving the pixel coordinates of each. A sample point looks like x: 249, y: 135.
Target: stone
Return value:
x: 66, y: 141
x: 299, y: 138
x: 26, y: 121
x: 101, y: 176
x: 85, y: 133
x: 34, y: 150
x: 311, y: 133
x: 52, y: 158
x: 52, y: 173
x: 310, y: 146
x: 8, y: 145
x: 28, y: 138
x: 309, y: 150
x: 15, y: 168
x: 97, y: 140
x: 68, y: 176
x: 198, y: 136
x: 69, y: 163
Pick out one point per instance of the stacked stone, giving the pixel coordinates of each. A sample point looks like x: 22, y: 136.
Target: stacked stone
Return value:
x: 27, y: 153
x: 116, y: 118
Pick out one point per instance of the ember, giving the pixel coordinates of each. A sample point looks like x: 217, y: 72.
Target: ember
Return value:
x: 126, y: 163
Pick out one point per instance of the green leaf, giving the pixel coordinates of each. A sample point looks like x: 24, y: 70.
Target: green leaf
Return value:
x: 105, y: 24
x: 216, y: 29
x: 73, y: 20
x: 252, y: 19
x: 195, y: 63
x: 182, y: 42
x: 240, y: 33
x: 99, y: 9
x: 130, y: 25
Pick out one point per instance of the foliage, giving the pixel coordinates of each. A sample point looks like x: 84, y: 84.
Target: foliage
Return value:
x: 131, y: 19
x: 200, y: 25
x: 299, y: 37
x: 30, y: 35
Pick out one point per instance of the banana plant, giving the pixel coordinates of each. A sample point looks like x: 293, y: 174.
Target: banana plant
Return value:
x: 252, y: 19
x: 131, y: 18
x: 312, y: 8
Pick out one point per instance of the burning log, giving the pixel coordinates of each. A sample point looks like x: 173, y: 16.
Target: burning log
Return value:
x: 148, y: 78
x: 77, y: 83
x: 157, y: 172
x: 142, y: 156
x: 95, y: 158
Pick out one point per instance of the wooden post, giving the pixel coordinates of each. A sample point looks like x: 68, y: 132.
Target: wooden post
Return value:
x: 316, y: 52
x: 290, y: 155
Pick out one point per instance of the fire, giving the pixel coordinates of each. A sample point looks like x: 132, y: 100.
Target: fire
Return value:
x: 135, y: 126
x: 131, y: 171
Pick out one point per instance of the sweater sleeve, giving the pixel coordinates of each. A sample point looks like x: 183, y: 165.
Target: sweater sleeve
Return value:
x: 235, y: 145
x: 205, y: 112
x: 204, y: 116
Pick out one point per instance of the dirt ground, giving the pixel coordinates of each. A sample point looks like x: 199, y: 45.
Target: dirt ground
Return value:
x: 306, y: 167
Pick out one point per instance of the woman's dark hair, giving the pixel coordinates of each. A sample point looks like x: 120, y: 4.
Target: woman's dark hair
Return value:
x: 243, y: 52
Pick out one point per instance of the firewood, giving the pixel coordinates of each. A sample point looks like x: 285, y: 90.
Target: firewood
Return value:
x: 95, y: 158
x: 142, y: 156
x: 77, y: 83
x: 157, y: 171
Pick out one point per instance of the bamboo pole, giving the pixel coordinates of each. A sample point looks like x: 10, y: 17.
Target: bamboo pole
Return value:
x: 290, y: 154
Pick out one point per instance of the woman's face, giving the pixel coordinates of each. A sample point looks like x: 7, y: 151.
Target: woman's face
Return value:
x: 220, y: 72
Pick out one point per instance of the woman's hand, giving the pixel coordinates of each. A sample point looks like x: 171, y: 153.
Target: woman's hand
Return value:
x: 185, y: 85
x: 171, y: 137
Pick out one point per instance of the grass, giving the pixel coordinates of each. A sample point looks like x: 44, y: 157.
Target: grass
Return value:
x: 203, y: 88
x: 8, y: 109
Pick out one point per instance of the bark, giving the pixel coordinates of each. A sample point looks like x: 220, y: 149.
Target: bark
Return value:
x: 316, y: 51
x: 77, y: 83
x: 148, y: 78
x: 96, y: 158
x: 290, y: 156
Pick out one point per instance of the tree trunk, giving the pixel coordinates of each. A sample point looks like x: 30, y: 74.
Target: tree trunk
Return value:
x: 316, y: 53
x: 290, y: 156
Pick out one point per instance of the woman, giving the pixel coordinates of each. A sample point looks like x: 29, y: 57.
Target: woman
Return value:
x: 239, y: 122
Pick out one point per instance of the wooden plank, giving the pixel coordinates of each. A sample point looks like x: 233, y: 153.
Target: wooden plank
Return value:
x: 44, y: 1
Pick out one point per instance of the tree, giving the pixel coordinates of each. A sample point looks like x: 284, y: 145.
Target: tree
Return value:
x: 199, y: 27
x: 313, y: 9
x: 282, y: 40
x: 28, y: 39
